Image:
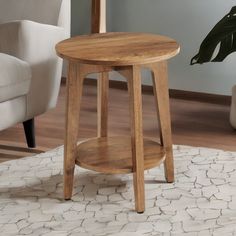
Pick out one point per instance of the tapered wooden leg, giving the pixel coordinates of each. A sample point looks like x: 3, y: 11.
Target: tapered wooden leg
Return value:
x: 157, y: 108
x: 161, y: 89
x: 135, y: 91
x: 74, y: 95
x: 102, y: 106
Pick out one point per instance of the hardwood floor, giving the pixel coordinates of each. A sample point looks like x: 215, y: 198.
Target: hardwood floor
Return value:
x: 193, y: 123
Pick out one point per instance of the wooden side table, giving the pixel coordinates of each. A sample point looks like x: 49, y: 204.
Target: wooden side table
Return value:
x: 125, y: 53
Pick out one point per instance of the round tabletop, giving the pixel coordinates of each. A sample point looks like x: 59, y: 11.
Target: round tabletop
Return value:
x: 118, y: 49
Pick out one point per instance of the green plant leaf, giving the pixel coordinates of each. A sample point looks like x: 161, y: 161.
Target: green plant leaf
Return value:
x: 224, y: 35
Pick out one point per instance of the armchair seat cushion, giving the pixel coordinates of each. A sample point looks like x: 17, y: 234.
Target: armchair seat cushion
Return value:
x: 15, y: 77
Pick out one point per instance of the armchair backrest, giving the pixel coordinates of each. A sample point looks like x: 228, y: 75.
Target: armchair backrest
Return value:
x: 53, y: 12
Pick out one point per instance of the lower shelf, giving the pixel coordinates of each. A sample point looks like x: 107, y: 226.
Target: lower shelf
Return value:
x: 113, y: 155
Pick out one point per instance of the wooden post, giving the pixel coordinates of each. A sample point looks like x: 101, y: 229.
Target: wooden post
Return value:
x: 98, y: 19
x: 98, y: 25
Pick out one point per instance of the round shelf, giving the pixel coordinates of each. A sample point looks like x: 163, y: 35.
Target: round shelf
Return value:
x: 113, y: 155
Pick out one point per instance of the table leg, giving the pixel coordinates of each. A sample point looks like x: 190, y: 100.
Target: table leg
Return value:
x: 135, y: 91
x: 74, y: 95
x: 157, y: 108
x: 161, y: 88
x: 102, y: 106
x: 98, y: 18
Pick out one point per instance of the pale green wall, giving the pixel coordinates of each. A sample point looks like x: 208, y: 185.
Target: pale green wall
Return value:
x: 81, y: 16
x: 188, y: 21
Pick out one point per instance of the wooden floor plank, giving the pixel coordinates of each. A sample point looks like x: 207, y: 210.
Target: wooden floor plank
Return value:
x: 194, y: 123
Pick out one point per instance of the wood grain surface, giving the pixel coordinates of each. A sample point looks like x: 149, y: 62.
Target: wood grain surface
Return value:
x: 161, y: 91
x: 98, y: 16
x: 73, y: 102
x: 113, y: 155
x: 118, y: 48
x: 194, y: 122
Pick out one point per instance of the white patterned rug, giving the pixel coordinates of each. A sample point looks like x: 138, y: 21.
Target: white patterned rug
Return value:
x: 201, y: 202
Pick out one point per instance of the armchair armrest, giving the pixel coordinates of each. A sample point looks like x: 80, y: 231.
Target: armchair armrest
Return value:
x: 29, y: 41
x: 35, y: 43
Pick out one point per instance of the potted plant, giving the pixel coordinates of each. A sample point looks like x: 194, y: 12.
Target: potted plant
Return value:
x: 222, y: 38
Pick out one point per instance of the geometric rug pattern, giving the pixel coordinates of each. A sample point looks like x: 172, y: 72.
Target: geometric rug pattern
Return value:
x: 201, y: 202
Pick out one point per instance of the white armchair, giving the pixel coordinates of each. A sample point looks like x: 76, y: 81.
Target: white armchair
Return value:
x: 29, y: 30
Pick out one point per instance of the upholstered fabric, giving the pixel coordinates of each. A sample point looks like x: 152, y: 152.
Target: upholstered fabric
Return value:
x: 42, y: 11
x: 15, y: 76
x: 51, y: 12
x: 12, y: 112
x: 29, y: 30
x: 64, y: 19
x: 35, y: 43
